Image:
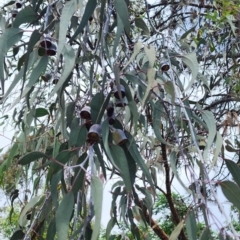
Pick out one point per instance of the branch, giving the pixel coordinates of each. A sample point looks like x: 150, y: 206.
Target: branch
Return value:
x: 151, y: 222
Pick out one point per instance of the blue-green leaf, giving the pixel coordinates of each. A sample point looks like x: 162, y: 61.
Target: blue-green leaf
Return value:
x: 191, y: 226
x: 139, y: 22
x: 40, y: 67
x: 234, y: 170
x: 97, y: 193
x: 231, y: 192
x: 63, y: 216
x: 122, y: 11
x: 90, y: 7
x: 118, y: 34
x: 10, y: 37
x: 66, y: 16
x: 30, y: 157
x: 69, y: 62
x: 26, y: 15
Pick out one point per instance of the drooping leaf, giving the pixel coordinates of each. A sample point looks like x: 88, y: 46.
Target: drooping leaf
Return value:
x: 150, y: 76
x: 174, y: 169
x: 41, y: 112
x: 136, y: 50
x: 69, y: 113
x: 206, y: 234
x: 218, y: 149
x: 231, y: 192
x: 151, y: 54
x: 78, y: 136
x: 97, y: 193
x: 65, y: 18
x: 100, y: 159
x: 10, y: 37
x: 212, y: 130
x: 133, y: 150
x: 157, y: 125
x: 26, y: 15
x: 120, y: 162
x: 190, y: 60
x: 103, y: 108
x: 110, y: 226
x: 140, y: 23
x: 174, y: 235
x: 90, y: 7
x: 63, y: 215
x: 96, y: 106
x: 30, y: 157
x: 31, y: 204
x: 51, y: 231
x: 120, y: 28
x: 122, y: 11
x: 69, y: 62
x: 38, y: 69
x: 191, y: 226
x: 19, y: 234
x: 32, y: 59
x: 169, y: 88
x: 234, y: 170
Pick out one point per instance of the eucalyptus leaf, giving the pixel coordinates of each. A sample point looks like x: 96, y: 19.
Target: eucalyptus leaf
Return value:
x: 63, y: 215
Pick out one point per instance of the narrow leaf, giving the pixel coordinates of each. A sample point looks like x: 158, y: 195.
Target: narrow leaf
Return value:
x: 69, y: 62
x: 140, y: 23
x: 191, y: 226
x: 90, y: 7
x: 120, y: 161
x: 30, y: 157
x: 32, y: 203
x: 40, y: 112
x: 97, y: 193
x: 38, y: 69
x: 234, y: 170
x: 65, y: 18
x: 118, y: 34
x: 63, y: 216
x: 231, y: 192
x: 174, y: 235
x: 96, y: 105
x: 122, y: 11
x: 136, y: 50
x: 212, y: 130
x: 78, y: 136
x: 151, y: 54
x: 10, y: 37
x: 151, y: 76
x: 190, y: 60
x: 26, y: 15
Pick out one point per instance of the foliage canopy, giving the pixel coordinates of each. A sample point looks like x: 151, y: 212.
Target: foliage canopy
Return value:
x: 143, y: 92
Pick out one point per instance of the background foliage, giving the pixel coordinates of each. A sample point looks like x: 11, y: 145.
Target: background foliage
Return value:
x: 142, y: 92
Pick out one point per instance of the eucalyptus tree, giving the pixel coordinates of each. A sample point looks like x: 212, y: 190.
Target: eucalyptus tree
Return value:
x: 139, y: 91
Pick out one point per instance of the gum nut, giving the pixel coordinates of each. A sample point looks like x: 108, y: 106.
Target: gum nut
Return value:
x: 46, y: 42
x: 18, y: 5
x: 110, y: 109
x: 14, y: 13
x: 95, y: 132
x: 46, y: 77
x: 86, y: 113
x: 116, y: 95
x: 119, y: 137
x: 52, y: 50
x: 165, y: 67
